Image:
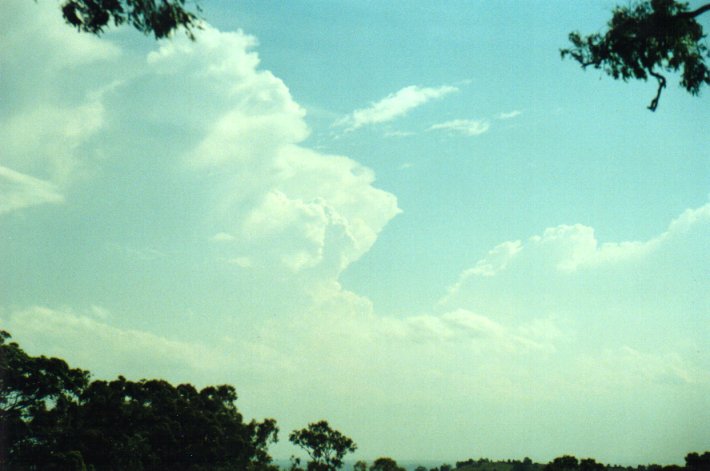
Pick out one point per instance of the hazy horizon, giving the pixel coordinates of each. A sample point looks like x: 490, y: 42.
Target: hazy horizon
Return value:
x: 413, y: 220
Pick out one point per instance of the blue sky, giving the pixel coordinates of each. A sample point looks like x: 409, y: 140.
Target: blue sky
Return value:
x: 413, y: 220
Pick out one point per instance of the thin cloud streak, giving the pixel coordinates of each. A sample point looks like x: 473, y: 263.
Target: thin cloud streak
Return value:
x: 394, y: 106
x: 509, y: 114
x: 468, y: 127
x: 18, y: 191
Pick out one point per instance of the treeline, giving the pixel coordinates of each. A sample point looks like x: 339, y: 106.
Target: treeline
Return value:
x: 693, y: 462
x: 55, y: 418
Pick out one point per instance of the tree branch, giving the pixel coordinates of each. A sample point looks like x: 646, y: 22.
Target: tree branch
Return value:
x: 697, y: 12
x: 584, y: 65
x: 661, y: 85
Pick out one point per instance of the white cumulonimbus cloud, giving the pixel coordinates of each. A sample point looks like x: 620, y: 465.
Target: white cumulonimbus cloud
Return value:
x: 276, y: 205
x: 204, y: 111
x: 394, y: 106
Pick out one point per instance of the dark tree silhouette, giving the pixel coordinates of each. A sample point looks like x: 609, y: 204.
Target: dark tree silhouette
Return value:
x: 697, y: 462
x: 563, y: 463
x: 157, y: 17
x: 53, y: 418
x: 35, y: 395
x: 325, y: 446
x: 590, y: 464
x: 385, y: 464
x: 360, y: 466
x: 645, y: 40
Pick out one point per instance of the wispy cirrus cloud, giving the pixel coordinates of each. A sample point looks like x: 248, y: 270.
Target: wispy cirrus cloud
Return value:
x: 18, y: 190
x: 468, y: 127
x: 394, y: 106
x: 473, y: 127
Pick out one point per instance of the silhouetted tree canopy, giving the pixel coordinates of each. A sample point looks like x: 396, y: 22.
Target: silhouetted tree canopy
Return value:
x: 698, y: 462
x: 646, y: 39
x: 590, y: 464
x: 36, y: 394
x: 157, y: 17
x: 360, y: 466
x: 563, y: 463
x: 385, y: 464
x: 53, y: 418
x: 326, y: 447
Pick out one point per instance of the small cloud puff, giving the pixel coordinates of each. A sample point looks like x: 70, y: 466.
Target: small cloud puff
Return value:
x: 509, y: 114
x: 394, y: 106
x: 222, y: 237
x: 468, y: 127
x: 242, y: 262
x: 473, y: 127
x: 399, y: 133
